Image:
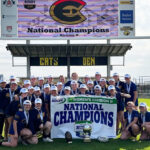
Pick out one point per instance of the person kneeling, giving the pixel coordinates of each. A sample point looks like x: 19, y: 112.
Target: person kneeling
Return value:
x: 144, y: 122
x: 42, y: 124
x: 22, y: 126
x: 130, y: 126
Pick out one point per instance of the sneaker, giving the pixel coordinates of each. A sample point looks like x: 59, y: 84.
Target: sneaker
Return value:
x: 47, y: 140
x: 24, y: 143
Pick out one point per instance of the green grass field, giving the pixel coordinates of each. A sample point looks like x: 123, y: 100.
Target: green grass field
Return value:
x: 113, y: 144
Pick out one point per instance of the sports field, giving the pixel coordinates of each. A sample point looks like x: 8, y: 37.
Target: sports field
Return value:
x: 114, y: 144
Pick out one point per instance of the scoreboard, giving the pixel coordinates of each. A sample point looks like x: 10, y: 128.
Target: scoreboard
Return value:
x: 67, y: 19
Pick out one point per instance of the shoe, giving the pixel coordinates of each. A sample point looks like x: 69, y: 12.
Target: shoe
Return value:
x: 24, y: 143
x: 47, y: 139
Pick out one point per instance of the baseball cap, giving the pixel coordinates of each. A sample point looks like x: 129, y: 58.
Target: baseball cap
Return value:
x: 102, y: 79
x: 127, y: 76
x: 32, y: 77
x: 40, y: 78
x: 53, y: 88
x: 86, y: 76
x: 13, y: 82
x: 83, y: 86
x: 27, y: 82
x: 46, y: 86
x: 74, y: 82
x: 111, y: 87
x: 24, y: 90
x: 50, y: 76
x: 3, y: 81
x: 115, y: 74
x: 90, y: 82
x: 30, y: 87
x: 97, y: 87
x: 97, y: 73
x: 67, y: 88
x: 12, y: 77
x: 112, y: 79
x: 36, y: 88
x: 59, y: 83
x: 143, y: 105
x: 38, y: 101
x: 27, y: 102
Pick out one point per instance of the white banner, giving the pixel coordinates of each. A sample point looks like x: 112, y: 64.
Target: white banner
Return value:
x: 73, y: 112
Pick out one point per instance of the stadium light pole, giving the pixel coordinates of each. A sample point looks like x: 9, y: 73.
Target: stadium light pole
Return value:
x: 28, y: 62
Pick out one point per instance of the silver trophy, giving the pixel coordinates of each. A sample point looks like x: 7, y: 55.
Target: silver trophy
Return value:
x: 87, y: 131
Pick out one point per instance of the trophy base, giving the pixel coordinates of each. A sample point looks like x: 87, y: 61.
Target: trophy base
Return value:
x: 87, y: 140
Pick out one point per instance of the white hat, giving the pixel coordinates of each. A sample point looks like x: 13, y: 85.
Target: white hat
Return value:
x: 111, y: 87
x: 127, y: 76
x: 27, y: 82
x: 36, y: 88
x: 50, y: 76
x: 74, y: 82
x: 112, y: 79
x: 27, y: 102
x: 67, y: 88
x: 24, y: 90
x: 115, y: 74
x: 143, y: 105
x: 12, y: 77
x: 13, y: 82
x: 40, y: 78
x: 3, y: 81
x: 90, y: 82
x: 83, y: 86
x: 97, y: 87
x: 38, y: 101
x: 46, y: 86
x: 32, y: 77
x: 97, y: 73
x: 53, y: 88
x: 102, y: 79
x: 59, y: 83
x: 30, y: 87
x: 86, y: 76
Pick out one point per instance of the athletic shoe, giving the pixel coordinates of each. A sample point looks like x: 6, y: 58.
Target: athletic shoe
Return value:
x: 47, y: 140
x: 24, y: 143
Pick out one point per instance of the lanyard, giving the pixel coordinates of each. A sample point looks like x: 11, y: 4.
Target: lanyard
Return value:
x: 117, y: 84
x: 26, y: 116
x: 29, y: 97
x: 143, y: 117
x: 129, y: 117
x: 128, y: 86
x: 41, y: 115
x: 103, y: 90
x: 21, y: 102
x: 11, y: 95
x: 73, y: 92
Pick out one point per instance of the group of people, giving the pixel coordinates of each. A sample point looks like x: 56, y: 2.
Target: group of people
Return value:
x: 25, y: 109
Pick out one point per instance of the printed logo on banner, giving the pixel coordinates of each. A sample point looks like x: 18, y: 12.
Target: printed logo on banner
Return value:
x: 126, y: 16
x: 126, y: 2
x: 126, y: 30
x: 9, y: 28
x: 68, y: 12
x: 29, y: 4
x: 8, y: 3
x: 79, y: 125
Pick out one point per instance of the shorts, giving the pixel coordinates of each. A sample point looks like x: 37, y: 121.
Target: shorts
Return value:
x: 136, y: 102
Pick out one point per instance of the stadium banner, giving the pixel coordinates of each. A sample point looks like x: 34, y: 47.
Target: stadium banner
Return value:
x: 71, y: 113
x: 68, y: 19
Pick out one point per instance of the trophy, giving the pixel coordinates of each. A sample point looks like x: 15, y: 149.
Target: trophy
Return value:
x: 87, y: 131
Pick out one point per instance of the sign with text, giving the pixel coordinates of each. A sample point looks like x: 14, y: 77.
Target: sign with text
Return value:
x: 62, y: 61
x: 73, y: 112
x: 58, y: 19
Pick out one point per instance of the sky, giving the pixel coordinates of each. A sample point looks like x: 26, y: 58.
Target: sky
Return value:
x: 137, y: 60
